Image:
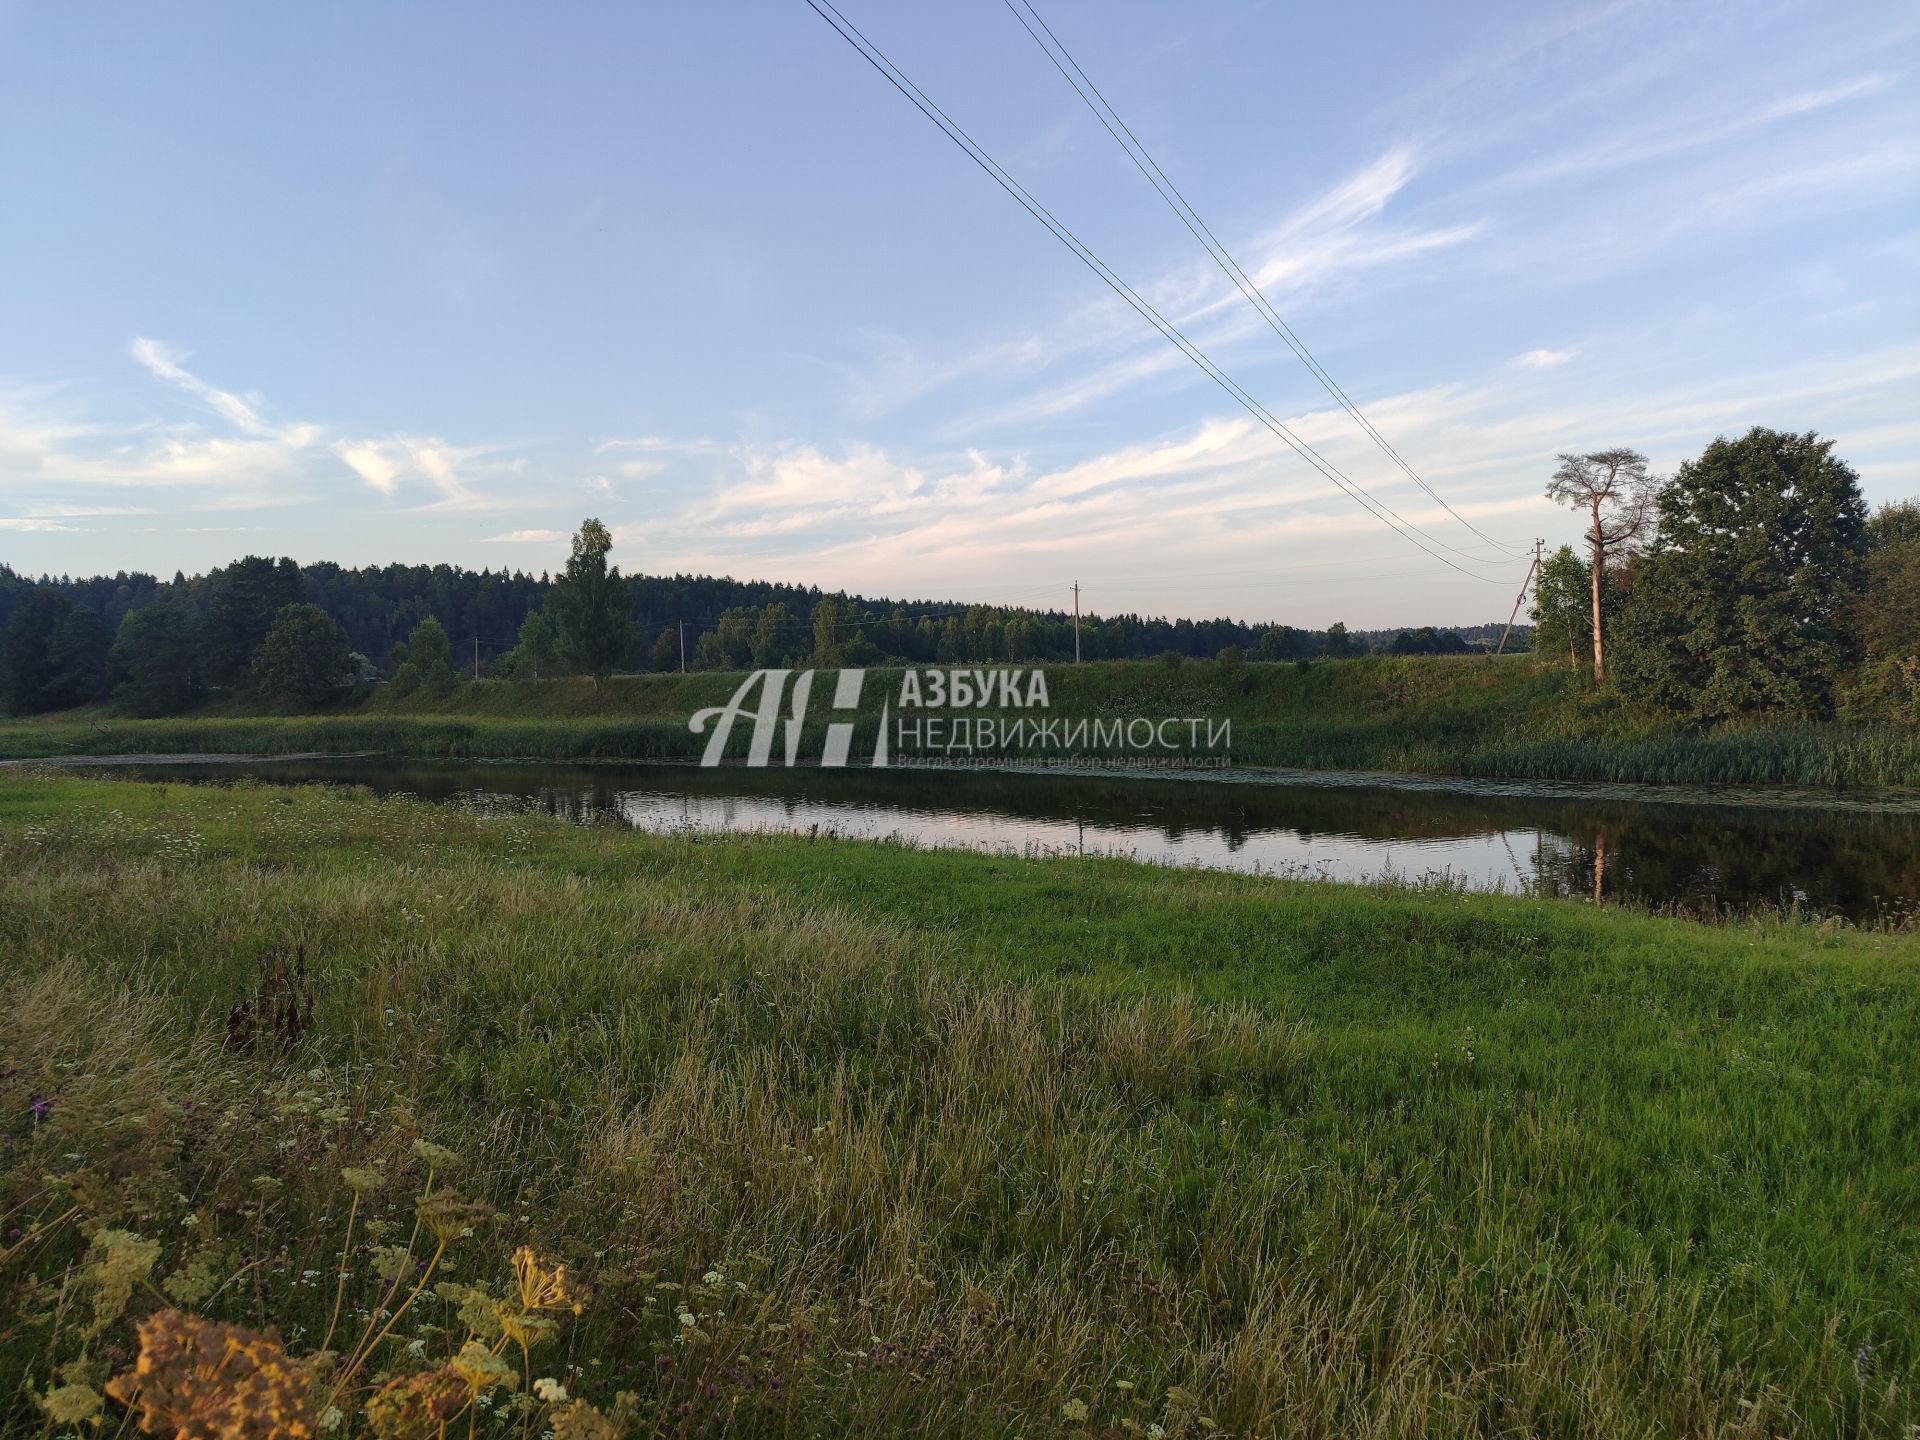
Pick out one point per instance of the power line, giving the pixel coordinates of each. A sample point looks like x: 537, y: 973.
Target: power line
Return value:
x: 1188, y: 216
x: 899, y: 80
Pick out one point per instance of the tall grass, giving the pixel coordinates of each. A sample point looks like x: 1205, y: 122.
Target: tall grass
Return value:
x: 850, y: 1139
x: 1476, y: 716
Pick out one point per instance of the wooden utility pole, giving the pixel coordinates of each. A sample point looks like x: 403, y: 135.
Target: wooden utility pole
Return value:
x: 1076, y: 622
x: 1532, y: 570
x: 683, y: 645
x: 476, y: 657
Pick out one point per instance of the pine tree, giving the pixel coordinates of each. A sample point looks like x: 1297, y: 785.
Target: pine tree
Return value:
x: 25, y: 666
x: 153, y: 663
x: 1616, y: 491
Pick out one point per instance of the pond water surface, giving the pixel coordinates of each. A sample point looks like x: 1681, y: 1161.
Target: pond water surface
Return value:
x: 1696, y: 849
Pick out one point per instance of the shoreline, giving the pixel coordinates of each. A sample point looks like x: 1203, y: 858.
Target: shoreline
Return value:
x: 1884, y: 801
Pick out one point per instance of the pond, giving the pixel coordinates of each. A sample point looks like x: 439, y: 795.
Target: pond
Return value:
x: 1699, y: 850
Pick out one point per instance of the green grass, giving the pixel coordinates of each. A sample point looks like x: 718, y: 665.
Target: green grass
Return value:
x: 1477, y: 716
x: 970, y: 1141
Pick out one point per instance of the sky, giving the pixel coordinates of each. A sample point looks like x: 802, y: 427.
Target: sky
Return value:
x: 432, y: 282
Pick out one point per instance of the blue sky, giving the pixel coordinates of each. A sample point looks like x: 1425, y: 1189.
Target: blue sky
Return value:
x: 427, y: 282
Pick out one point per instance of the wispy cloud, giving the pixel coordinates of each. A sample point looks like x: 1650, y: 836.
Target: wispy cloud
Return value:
x: 1544, y: 359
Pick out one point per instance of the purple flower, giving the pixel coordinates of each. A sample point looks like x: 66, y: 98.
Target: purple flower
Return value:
x: 40, y: 1105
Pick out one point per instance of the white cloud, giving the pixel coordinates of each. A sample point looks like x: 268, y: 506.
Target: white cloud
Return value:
x: 370, y: 463
x: 526, y: 537
x: 1544, y: 359
x: 164, y: 362
x: 384, y: 463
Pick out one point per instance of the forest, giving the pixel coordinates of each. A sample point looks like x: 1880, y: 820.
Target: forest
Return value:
x: 1751, y: 583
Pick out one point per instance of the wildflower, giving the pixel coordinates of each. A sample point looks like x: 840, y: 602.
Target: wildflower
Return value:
x: 124, y: 1260
x: 542, y: 1289
x: 549, y: 1390
x: 194, y: 1282
x: 580, y: 1421
x: 390, y: 1262
x: 437, y: 1157
x: 331, y: 1418
x: 72, y: 1404
x: 414, y: 1407
x: 362, y: 1179
x: 475, y: 1307
x: 525, y: 1329
x: 482, y: 1369
x: 201, y: 1379
x: 448, y: 1217
x: 1075, y: 1412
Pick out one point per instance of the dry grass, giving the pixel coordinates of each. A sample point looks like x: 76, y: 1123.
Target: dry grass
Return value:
x: 827, y: 1175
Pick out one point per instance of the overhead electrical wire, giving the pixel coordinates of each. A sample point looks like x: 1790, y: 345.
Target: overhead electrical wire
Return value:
x: 898, y: 78
x: 1143, y: 161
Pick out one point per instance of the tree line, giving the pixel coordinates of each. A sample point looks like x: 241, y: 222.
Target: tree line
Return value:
x: 1752, y: 582
x: 305, y: 635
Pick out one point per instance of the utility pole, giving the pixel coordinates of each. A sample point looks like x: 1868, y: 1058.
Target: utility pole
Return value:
x: 1532, y: 570
x: 683, y: 646
x: 1076, y: 622
x: 476, y: 657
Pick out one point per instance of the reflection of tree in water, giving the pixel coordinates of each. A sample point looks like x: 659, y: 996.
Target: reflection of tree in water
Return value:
x: 1707, y: 858
x: 1698, y: 857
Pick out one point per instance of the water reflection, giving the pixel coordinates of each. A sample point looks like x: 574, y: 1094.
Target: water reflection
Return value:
x: 1860, y: 862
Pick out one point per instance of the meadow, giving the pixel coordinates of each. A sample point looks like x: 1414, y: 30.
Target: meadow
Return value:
x: 502, y: 1127
x: 1468, y: 715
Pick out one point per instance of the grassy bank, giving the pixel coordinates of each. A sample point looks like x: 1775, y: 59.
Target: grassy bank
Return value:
x: 1480, y: 716
x: 851, y: 1139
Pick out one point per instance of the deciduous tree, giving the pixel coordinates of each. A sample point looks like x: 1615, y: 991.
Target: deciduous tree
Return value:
x: 304, y: 658
x: 592, y: 606
x: 1742, y: 603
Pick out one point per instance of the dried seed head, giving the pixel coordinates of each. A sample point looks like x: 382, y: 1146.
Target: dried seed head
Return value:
x: 438, y: 1157
x: 543, y: 1289
x: 222, y: 1382
x: 448, y: 1217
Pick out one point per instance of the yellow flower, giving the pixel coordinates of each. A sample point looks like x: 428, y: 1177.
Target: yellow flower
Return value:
x: 124, y: 1259
x: 475, y: 1307
x: 214, y: 1382
x: 416, y: 1407
x: 448, y: 1217
x: 542, y: 1289
x: 525, y: 1329
x: 482, y: 1369
x: 580, y: 1421
x: 72, y: 1404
